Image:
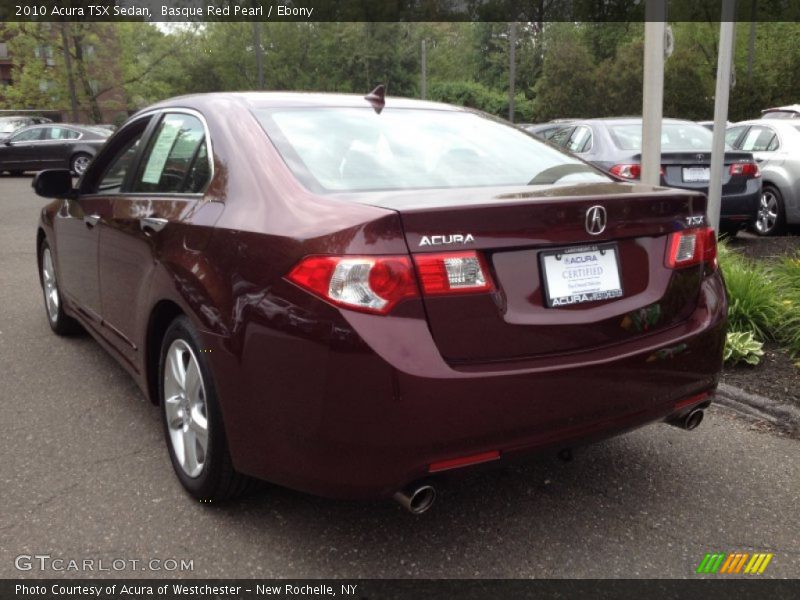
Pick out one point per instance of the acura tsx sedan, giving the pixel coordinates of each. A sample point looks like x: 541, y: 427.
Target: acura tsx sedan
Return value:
x: 351, y: 295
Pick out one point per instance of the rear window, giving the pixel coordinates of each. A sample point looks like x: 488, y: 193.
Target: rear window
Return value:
x: 780, y: 114
x: 674, y: 136
x: 352, y: 149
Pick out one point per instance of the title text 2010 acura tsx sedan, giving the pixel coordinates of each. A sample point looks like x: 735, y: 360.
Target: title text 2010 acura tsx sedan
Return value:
x: 347, y: 295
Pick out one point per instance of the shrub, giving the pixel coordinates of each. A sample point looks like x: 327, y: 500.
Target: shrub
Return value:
x: 741, y: 346
x: 753, y: 296
x: 786, y: 275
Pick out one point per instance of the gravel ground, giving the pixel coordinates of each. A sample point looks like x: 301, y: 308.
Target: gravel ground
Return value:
x: 777, y: 376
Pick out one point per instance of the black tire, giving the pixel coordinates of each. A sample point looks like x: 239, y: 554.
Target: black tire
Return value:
x: 60, y: 322
x: 79, y: 162
x: 771, y: 217
x: 216, y: 480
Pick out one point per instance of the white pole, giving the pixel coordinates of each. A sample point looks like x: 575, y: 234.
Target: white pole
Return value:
x: 724, y: 62
x: 653, y: 91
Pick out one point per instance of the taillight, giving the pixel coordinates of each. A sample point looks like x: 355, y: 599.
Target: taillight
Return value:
x: 749, y: 169
x: 631, y: 171
x: 376, y: 284
x: 452, y: 273
x: 367, y: 283
x: 692, y: 247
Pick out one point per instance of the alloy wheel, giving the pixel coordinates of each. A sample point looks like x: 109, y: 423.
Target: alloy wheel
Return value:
x: 50, y: 285
x: 185, y: 408
x: 767, y: 212
x: 80, y: 163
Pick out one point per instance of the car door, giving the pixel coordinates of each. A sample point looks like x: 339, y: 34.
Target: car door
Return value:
x: 80, y: 221
x: 21, y: 150
x: 166, y: 189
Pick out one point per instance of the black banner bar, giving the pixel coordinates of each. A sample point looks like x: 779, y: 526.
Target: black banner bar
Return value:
x: 391, y: 589
x: 381, y: 10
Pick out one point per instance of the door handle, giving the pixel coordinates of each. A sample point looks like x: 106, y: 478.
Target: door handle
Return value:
x: 154, y: 224
x: 91, y: 220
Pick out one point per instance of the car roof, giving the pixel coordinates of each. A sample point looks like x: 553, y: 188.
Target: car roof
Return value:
x: 631, y: 120
x: 771, y: 122
x: 296, y: 99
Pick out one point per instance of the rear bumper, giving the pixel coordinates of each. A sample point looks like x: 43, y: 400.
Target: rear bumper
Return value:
x: 742, y: 207
x: 369, y: 413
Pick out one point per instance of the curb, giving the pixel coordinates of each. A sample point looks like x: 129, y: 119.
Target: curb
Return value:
x: 782, y: 415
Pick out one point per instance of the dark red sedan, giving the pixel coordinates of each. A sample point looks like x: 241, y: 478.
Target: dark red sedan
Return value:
x: 349, y: 298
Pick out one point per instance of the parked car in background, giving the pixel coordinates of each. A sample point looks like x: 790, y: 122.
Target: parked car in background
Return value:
x: 791, y: 111
x: 8, y: 125
x: 544, y: 130
x: 350, y: 295
x: 51, y: 146
x: 775, y: 144
x: 614, y: 145
x: 710, y: 124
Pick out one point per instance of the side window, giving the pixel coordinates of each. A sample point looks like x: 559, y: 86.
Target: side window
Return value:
x: 759, y: 139
x: 60, y: 133
x: 29, y: 135
x: 581, y: 140
x: 176, y: 159
x: 561, y: 136
x: 732, y: 134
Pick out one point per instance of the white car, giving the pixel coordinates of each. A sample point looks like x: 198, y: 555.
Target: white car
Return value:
x: 775, y: 144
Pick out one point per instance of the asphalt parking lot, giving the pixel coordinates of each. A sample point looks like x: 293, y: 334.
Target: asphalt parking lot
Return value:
x: 85, y: 475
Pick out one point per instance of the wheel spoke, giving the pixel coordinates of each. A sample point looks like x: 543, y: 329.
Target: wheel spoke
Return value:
x: 191, y: 462
x: 172, y: 406
x: 200, y: 430
x: 177, y: 368
x: 193, y: 381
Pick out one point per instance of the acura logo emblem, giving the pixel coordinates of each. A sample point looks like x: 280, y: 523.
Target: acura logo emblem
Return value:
x: 596, y: 220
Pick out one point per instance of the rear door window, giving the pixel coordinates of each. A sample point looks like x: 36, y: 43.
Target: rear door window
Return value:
x: 580, y: 140
x: 60, y: 133
x: 760, y: 139
x: 176, y: 160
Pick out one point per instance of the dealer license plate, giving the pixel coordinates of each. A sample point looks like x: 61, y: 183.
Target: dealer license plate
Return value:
x: 581, y: 274
x: 696, y: 174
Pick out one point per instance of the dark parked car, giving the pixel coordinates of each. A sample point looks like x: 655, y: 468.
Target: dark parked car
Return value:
x: 56, y: 145
x: 614, y: 145
x: 8, y: 125
x: 348, y: 298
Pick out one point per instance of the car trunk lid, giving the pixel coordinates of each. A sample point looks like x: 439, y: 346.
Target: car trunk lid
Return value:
x: 518, y: 230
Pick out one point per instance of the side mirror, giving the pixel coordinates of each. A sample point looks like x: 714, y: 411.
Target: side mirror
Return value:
x: 54, y: 183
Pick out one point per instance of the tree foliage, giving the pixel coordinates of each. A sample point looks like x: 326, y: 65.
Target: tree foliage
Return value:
x: 563, y: 69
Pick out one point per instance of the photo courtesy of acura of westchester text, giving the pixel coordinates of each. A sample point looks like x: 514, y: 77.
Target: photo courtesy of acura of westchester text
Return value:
x: 320, y: 299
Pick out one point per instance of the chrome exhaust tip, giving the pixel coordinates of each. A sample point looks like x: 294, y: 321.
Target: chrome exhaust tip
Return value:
x: 688, y: 421
x: 416, y: 499
x: 693, y: 419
